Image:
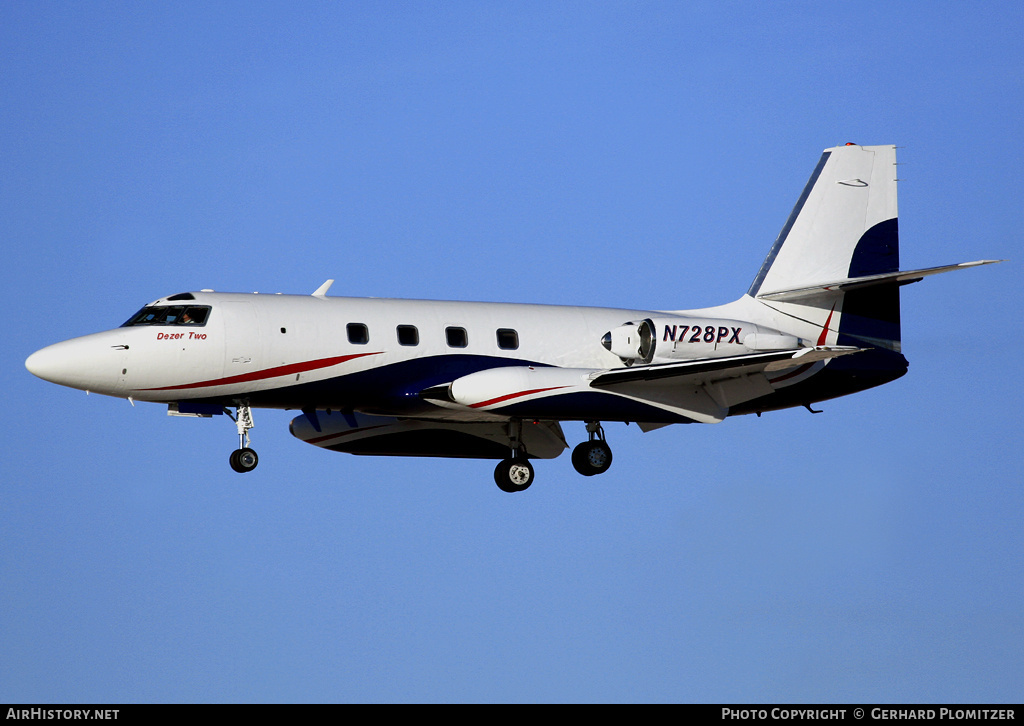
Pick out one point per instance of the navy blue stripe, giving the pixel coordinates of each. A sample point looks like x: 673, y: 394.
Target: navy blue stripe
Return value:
x: 841, y: 377
x: 391, y: 390
x: 877, y: 250
x: 871, y: 316
x: 755, y: 287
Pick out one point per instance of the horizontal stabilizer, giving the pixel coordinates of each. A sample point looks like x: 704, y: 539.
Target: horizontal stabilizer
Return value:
x: 854, y: 283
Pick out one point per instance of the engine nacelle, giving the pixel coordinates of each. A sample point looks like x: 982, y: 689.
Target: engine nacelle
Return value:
x: 632, y: 341
x: 661, y: 340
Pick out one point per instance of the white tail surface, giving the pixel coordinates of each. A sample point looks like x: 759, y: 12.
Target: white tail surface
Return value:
x: 843, y: 226
x: 852, y: 190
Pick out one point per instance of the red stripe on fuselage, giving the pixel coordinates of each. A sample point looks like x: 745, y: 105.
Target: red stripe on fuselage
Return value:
x: 310, y: 365
x: 792, y: 374
x: 499, y: 399
x: 807, y: 366
x: 824, y: 331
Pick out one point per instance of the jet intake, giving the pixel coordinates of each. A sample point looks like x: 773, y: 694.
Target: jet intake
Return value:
x: 632, y: 342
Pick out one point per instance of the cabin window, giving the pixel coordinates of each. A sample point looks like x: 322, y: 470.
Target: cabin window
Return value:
x: 358, y: 334
x: 408, y: 335
x: 457, y: 337
x: 170, y: 315
x: 508, y: 339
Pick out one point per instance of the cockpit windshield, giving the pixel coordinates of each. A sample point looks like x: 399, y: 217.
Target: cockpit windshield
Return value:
x: 170, y: 315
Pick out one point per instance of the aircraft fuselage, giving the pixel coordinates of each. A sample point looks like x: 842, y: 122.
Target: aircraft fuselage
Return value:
x: 371, y: 355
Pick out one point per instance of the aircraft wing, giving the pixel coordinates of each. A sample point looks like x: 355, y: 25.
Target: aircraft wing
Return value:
x: 709, y: 369
x: 695, y: 390
x: 704, y: 390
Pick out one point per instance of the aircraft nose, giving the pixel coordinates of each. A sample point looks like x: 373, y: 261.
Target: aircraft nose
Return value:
x: 78, y: 363
x: 50, y: 363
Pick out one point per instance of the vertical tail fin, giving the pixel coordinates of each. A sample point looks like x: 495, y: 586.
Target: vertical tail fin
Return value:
x: 843, y: 226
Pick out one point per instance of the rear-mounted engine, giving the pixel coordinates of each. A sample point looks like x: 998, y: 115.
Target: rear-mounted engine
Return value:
x: 660, y: 340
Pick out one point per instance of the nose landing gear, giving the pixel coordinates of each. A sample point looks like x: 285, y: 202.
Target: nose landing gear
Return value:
x: 593, y: 456
x: 243, y: 459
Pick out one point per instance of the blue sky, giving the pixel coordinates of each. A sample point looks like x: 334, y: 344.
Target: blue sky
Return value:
x: 598, y: 153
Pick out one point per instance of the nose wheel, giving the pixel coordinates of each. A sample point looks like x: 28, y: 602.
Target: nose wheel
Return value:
x: 243, y: 459
x: 593, y: 456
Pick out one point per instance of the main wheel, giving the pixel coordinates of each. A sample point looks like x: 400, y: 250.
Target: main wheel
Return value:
x: 513, y: 475
x: 244, y: 460
x: 592, y: 457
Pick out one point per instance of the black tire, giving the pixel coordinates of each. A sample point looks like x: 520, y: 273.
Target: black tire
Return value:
x: 592, y: 457
x: 244, y: 460
x: 513, y: 475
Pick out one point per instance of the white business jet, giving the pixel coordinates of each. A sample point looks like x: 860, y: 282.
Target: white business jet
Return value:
x: 486, y: 380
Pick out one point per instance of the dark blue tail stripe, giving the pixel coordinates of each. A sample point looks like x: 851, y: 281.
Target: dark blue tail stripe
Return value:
x: 872, y: 315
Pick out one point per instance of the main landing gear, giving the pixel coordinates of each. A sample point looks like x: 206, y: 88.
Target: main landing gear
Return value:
x: 243, y: 459
x: 593, y: 456
x: 516, y: 473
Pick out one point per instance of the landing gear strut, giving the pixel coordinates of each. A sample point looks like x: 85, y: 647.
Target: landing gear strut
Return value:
x: 593, y: 456
x: 243, y: 459
x: 514, y: 474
